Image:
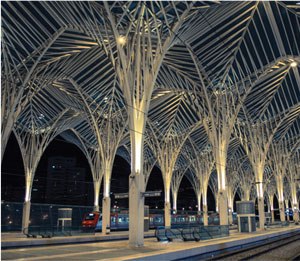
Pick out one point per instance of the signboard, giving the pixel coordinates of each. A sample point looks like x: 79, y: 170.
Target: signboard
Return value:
x: 143, y: 194
x: 121, y: 195
x: 151, y: 193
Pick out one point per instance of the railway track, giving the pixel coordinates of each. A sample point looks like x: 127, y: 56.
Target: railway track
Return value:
x: 261, y: 251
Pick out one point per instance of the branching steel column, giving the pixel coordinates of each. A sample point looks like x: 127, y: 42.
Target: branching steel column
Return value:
x: 141, y: 48
x: 280, y: 153
x: 32, y: 145
x: 203, y: 163
x: 12, y: 104
x: 176, y: 180
x: 293, y: 177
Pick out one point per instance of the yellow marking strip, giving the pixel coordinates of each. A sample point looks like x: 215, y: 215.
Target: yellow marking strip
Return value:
x: 38, y: 248
x: 65, y: 255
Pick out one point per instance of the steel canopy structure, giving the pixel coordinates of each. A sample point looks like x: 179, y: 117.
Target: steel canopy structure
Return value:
x: 206, y: 89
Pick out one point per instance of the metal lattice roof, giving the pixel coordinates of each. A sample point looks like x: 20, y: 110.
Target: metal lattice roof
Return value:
x: 229, y: 66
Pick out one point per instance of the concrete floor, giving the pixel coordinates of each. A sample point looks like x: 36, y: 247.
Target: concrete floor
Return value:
x: 152, y: 250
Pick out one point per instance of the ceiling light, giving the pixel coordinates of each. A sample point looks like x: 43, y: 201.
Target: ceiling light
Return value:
x: 293, y: 64
x: 122, y: 40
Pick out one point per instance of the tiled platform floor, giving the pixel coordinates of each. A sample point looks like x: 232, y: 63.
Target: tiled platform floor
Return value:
x: 152, y: 250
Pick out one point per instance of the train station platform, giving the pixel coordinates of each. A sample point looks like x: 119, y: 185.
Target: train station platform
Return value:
x: 17, y: 240
x: 152, y: 249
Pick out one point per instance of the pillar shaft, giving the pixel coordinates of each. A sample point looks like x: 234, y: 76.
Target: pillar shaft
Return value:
x: 273, y: 215
x: 223, y: 207
x: 222, y: 191
x: 105, y: 214
x: 217, y: 203
x: 296, y: 213
x: 287, y: 208
x: 167, y: 214
x: 205, y: 208
x: 167, y: 183
x: 175, y: 201
x: 261, y: 213
x: 282, y: 210
x: 136, y: 210
x: 27, y: 203
x: 199, y: 202
x: 230, y: 218
x: 106, y: 200
x: 230, y: 207
x: 246, y: 194
x: 26, y: 216
x: 205, y: 215
x: 96, y: 195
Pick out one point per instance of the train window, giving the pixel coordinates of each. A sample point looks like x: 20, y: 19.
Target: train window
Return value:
x: 90, y: 216
x: 120, y: 220
x: 151, y: 219
x: 127, y: 219
x: 113, y: 219
x: 158, y: 219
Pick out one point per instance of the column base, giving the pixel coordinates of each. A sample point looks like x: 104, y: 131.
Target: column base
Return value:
x: 106, y: 215
x: 26, y: 216
x: 167, y: 214
x: 136, y: 210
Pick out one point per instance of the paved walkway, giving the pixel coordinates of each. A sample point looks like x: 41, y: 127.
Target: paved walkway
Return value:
x: 17, y: 240
x: 152, y: 250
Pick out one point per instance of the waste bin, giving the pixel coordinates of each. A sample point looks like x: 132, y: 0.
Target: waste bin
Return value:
x: 246, y: 216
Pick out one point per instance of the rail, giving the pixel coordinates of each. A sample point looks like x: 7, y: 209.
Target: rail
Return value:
x: 258, y: 248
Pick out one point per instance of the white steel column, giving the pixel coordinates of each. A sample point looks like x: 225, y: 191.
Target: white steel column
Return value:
x: 199, y: 202
x: 167, y: 205
x: 26, y: 216
x: 205, y: 207
x: 281, y: 199
x: 222, y: 193
x: 261, y: 204
x: 296, y: 212
x: 137, y: 123
x: 106, y: 201
x: 136, y: 210
x: 27, y: 204
x: 105, y: 214
x: 287, y: 208
x: 97, y: 184
x: 175, y: 202
x: 271, y: 199
x: 281, y: 210
x: 294, y: 195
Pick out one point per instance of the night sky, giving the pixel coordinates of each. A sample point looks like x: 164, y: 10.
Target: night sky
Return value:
x: 13, y: 179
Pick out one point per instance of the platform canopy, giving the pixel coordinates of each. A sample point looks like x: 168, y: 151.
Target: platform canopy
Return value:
x: 208, y: 76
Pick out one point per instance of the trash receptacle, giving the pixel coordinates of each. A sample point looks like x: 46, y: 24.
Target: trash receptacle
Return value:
x: 108, y: 230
